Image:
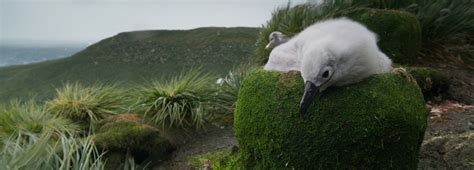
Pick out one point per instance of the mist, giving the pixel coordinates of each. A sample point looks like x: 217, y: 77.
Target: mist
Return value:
x: 88, y: 21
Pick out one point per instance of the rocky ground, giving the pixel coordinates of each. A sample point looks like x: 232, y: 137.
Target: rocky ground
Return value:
x: 449, y: 137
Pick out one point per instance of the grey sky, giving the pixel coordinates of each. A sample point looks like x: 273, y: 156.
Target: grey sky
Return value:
x: 91, y: 20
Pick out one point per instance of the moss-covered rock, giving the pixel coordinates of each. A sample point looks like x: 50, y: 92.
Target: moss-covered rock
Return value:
x: 378, y: 123
x: 399, y: 32
x: 432, y: 82
x: 128, y: 134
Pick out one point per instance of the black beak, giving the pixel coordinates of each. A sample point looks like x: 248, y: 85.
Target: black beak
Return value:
x: 310, y: 92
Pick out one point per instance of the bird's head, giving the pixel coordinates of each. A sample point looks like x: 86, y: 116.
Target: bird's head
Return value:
x: 276, y: 38
x: 317, y: 70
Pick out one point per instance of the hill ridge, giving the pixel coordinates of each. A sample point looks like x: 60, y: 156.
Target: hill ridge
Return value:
x: 133, y: 57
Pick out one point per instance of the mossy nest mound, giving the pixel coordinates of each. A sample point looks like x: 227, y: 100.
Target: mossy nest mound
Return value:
x: 399, y: 32
x: 126, y: 134
x: 378, y: 123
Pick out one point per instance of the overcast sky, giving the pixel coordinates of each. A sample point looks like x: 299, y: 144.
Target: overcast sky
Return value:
x: 87, y: 21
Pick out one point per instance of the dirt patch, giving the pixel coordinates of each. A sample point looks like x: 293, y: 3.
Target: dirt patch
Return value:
x: 450, y: 117
x: 449, y: 137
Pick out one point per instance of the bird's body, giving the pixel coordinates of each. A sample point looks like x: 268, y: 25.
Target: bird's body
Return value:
x: 350, y: 43
x: 334, y: 52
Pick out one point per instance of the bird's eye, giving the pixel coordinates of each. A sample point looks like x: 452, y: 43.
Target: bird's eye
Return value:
x: 326, y: 74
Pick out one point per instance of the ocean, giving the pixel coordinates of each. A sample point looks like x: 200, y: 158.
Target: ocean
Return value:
x: 26, y: 54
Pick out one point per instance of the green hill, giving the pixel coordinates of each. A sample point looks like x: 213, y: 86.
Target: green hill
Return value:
x: 133, y: 57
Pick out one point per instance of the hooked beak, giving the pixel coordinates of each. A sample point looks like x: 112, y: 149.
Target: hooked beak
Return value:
x: 310, y: 93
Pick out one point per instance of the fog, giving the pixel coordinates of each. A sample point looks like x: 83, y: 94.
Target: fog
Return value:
x: 87, y: 21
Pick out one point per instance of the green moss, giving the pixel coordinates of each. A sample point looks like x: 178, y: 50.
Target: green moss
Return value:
x: 197, y: 160
x: 375, y: 124
x: 128, y: 134
x: 399, y: 32
x: 115, y: 160
x: 220, y: 159
x: 124, y: 135
x: 432, y: 82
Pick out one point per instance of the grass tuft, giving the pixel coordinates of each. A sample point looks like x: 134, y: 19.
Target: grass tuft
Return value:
x: 183, y: 101
x: 86, y: 104
x: 229, y: 87
x: 446, y: 24
x: 50, y: 152
x: 29, y: 119
x: 32, y: 138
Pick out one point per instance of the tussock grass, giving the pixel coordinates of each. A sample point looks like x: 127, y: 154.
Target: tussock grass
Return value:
x: 183, y: 101
x: 29, y: 119
x: 32, y: 138
x: 446, y: 24
x: 86, y: 104
x: 229, y: 87
x: 49, y: 152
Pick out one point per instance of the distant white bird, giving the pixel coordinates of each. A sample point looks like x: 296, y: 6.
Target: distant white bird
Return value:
x: 333, y: 52
x: 220, y: 81
x: 276, y: 38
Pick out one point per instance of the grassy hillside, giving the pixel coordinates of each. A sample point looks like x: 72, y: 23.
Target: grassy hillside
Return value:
x: 133, y: 57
